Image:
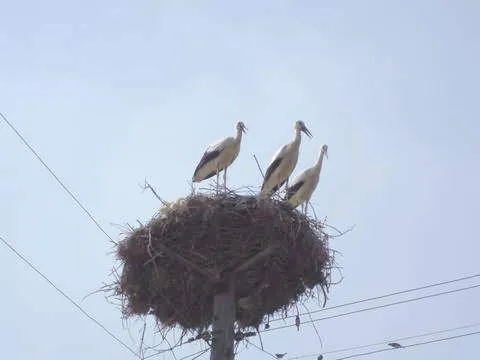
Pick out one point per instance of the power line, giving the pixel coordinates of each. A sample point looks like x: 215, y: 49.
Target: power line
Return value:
x: 378, y: 306
x: 261, y: 349
x: 384, y: 296
x: 85, y: 210
x: 198, y: 353
x: 412, y: 345
x: 387, y: 341
x: 61, y: 292
x: 161, y: 351
x: 25, y: 142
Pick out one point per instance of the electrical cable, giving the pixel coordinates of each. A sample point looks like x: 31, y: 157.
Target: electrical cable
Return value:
x: 61, y: 292
x: 412, y: 345
x: 62, y: 184
x: 384, y: 296
x: 387, y: 341
x: 377, y: 307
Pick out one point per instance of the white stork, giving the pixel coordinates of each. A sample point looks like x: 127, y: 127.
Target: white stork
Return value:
x: 219, y: 156
x: 305, y: 183
x: 283, y: 162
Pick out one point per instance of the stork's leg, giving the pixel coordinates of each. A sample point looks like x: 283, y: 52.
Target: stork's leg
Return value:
x: 218, y: 177
x: 225, y: 181
x: 307, y: 203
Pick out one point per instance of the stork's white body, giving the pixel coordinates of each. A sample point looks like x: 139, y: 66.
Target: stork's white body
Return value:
x: 281, y: 166
x: 304, y: 184
x: 219, y: 156
x: 308, y: 181
x: 283, y: 162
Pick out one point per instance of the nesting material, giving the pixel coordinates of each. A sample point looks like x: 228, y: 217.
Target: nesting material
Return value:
x: 171, y: 265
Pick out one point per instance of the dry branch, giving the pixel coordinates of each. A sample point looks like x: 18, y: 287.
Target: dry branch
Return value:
x: 210, y: 275
x: 259, y: 167
x: 257, y: 258
x: 147, y: 185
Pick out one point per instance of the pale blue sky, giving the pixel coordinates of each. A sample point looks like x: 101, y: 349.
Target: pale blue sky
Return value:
x: 111, y: 92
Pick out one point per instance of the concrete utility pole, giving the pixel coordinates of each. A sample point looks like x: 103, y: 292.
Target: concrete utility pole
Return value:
x: 224, y: 309
x: 223, y: 321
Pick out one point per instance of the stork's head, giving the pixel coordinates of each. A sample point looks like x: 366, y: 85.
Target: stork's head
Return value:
x: 300, y: 126
x: 241, y: 127
x: 324, y: 150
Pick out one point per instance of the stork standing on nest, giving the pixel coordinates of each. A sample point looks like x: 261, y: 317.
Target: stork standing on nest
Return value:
x: 219, y: 156
x: 304, y: 184
x: 283, y: 162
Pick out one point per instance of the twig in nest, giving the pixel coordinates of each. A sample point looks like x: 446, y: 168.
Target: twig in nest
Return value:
x: 191, y: 186
x: 259, y: 168
x: 325, y: 297
x: 313, y: 210
x: 149, y: 249
x: 140, y: 348
x: 149, y: 246
x: 207, y: 273
x: 146, y: 185
x: 260, y: 337
x: 339, y: 232
x: 256, y: 258
x: 96, y: 291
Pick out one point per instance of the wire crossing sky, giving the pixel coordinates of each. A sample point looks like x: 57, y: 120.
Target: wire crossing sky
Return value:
x: 110, y: 93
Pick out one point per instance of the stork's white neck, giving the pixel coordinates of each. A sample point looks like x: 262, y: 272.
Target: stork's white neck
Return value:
x: 318, y: 164
x: 238, y: 138
x: 298, y: 137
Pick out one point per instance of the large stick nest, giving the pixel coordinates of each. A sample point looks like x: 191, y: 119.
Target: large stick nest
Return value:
x: 171, y: 266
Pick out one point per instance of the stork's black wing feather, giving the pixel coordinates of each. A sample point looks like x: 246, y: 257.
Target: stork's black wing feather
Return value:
x: 209, y: 175
x: 276, y: 187
x: 293, y: 189
x: 270, y: 170
x: 207, y: 156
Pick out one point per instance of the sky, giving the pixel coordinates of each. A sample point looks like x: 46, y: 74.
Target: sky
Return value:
x: 113, y: 92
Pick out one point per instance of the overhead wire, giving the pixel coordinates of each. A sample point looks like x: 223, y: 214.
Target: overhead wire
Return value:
x: 161, y: 351
x: 376, y: 307
x: 66, y: 296
x: 355, y: 302
x: 85, y: 210
x: 412, y: 345
x: 358, y: 347
x: 261, y: 349
x: 59, y: 181
x: 197, y: 353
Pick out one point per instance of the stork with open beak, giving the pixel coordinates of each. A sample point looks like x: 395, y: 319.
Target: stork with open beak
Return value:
x: 305, y: 183
x: 283, y: 162
x: 219, y: 156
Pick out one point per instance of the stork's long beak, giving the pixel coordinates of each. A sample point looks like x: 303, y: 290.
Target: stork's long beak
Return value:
x: 307, y: 132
